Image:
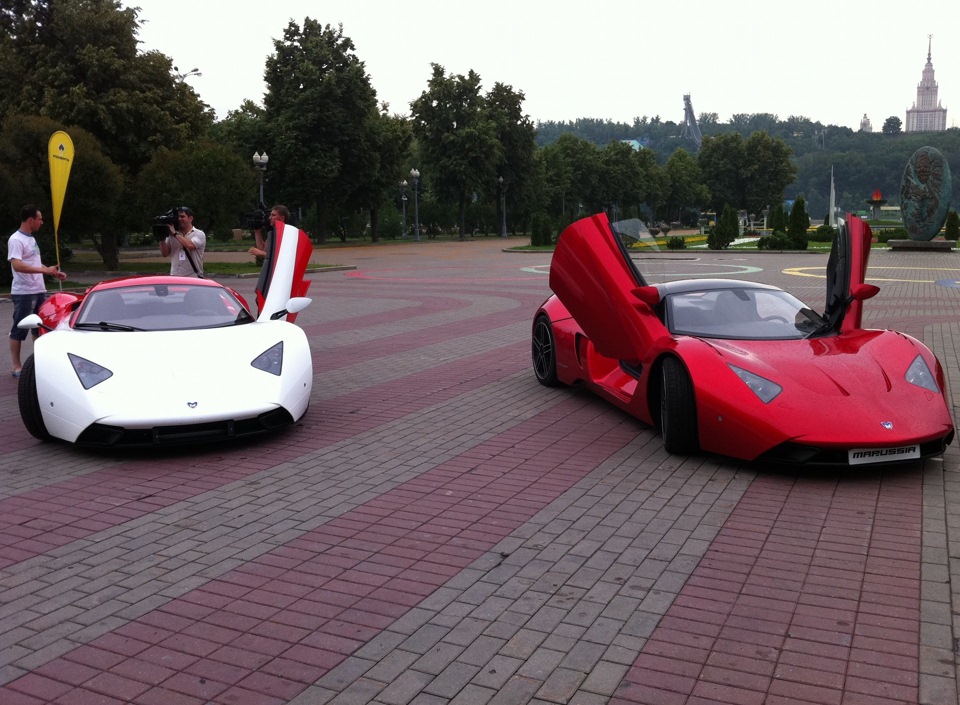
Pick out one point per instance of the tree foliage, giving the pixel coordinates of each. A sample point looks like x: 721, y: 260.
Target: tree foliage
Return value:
x: 209, y: 178
x: 892, y: 125
x: 94, y: 190
x: 797, y: 225
x: 748, y: 173
x: 77, y: 62
x: 320, y: 114
x: 457, y: 137
x: 726, y: 230
x: 685, y: 188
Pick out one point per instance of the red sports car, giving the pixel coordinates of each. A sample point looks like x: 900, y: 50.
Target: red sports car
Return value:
x: 735, y: 367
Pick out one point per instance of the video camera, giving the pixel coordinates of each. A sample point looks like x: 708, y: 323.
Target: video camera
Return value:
x: 258, y: 219
x: 160, y: 223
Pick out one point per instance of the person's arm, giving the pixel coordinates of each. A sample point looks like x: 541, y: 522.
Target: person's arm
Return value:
x: 19, y: 265
x: 165, y: 248
x: 187, y: 242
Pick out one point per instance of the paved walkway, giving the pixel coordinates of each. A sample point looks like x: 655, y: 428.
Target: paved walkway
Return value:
x: 439, y: 528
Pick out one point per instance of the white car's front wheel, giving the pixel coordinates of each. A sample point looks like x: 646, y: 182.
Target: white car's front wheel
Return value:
x: 29, y: 403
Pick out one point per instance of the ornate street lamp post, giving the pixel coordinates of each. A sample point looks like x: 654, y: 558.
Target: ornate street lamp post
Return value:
x: 503, y: 207
x: 403, y: 203
x: 415, y: 175
x: 260, y: 164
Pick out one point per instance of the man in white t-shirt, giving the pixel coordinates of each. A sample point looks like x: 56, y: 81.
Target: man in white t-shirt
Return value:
x: 28, y: 290
x: 184, y: 246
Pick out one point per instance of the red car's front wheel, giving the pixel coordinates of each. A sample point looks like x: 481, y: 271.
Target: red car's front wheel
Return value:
x: 678, y: 410
x: 544, y: 352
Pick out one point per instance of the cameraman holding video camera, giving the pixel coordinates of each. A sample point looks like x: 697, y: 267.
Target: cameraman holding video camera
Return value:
x: 184, y: 245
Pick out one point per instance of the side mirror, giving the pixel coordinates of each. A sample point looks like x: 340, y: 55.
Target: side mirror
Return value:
x: 649, y: 295
x: 31, y: 322
x: 862, y: 292
x: 294, y: 305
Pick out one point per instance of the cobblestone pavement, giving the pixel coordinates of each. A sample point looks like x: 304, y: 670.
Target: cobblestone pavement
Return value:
x: 440, y: 528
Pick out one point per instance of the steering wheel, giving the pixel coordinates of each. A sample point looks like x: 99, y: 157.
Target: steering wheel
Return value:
x: 781, y: 319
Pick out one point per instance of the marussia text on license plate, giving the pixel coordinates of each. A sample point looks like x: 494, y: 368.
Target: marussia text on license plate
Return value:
x: 862, y: 456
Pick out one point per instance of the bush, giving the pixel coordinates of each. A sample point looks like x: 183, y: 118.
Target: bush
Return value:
x: 775, y: 241
x: 726, y: 231
x: 891, y: 234
x: 952, y: 228
x: 824, y: 233
x: 676, y: 243
x: 541, y: 230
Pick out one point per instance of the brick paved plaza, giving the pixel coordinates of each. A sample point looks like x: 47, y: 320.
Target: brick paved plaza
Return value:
x: 440, y: 528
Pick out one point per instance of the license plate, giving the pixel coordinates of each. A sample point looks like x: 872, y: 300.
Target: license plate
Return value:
x: 862, y: 456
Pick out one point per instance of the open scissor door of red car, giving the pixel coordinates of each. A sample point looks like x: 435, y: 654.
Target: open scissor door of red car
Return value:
x: 846, y: 272
x: 593, y: 276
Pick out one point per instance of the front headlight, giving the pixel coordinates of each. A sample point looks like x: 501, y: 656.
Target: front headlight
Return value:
x: 90, y: 373
x: 919, y: 374
x: 270, y: 361
x: 761, y: 386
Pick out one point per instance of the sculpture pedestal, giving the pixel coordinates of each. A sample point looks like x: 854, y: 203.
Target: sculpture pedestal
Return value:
x: 931, y: 245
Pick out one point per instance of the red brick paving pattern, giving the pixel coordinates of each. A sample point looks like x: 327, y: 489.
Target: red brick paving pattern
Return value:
x: 280, y: 622
x: 809, y: 594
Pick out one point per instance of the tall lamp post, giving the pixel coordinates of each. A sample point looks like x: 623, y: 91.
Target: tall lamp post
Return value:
x: 403, y: 203
x: 415, y: 175
x: 503, y: 207
x: 260, y: 164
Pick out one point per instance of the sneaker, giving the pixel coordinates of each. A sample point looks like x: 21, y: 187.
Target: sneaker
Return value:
x: 15, y: 373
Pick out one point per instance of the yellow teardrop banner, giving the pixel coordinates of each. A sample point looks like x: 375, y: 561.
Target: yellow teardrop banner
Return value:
x: 60, y: 155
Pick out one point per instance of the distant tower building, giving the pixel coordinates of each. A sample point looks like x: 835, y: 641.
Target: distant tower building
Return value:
x: 927, y: 115
x: 865, y: 125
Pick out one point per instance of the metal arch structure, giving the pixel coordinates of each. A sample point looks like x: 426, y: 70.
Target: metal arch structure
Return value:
x: 690, y: 127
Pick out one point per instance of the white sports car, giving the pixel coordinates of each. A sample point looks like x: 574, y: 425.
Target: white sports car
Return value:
x: 162, y: 360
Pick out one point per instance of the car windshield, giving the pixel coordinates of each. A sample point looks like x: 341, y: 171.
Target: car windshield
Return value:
x: 157, y: 307
x: 745, y: 313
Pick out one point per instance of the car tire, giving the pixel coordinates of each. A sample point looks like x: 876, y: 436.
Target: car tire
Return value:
x: 30, y: 403
x: 678, y: 409
x: 544, y: 352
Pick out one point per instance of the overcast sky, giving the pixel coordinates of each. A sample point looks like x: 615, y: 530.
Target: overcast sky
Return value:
x: 828, y: 60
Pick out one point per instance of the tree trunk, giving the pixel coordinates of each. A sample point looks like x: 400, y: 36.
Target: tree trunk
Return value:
x: 462, y: 216
x: 108, y: 250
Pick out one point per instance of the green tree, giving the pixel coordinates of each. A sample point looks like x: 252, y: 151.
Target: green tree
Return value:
x: 570, y: 167
x: 243, y: 131
x: 952, y: 226
x: 726, y: 231
x: 210, y: 178
x: 391, y: 139
x: 798, y: 224
x: 457, y: 138
x: 93, y: 191
x: 892, y: 125
x: 747, y: 173
x: 77, y: 62
x: 685, y: 186
x: 516, y: 135
x: 319, y: 112
x: 778, y: 222
x: 769, y: 171
x: 723, y: 163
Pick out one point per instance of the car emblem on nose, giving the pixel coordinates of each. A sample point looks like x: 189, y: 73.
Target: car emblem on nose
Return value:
x: 192, y: 404
x: 887, y: 425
